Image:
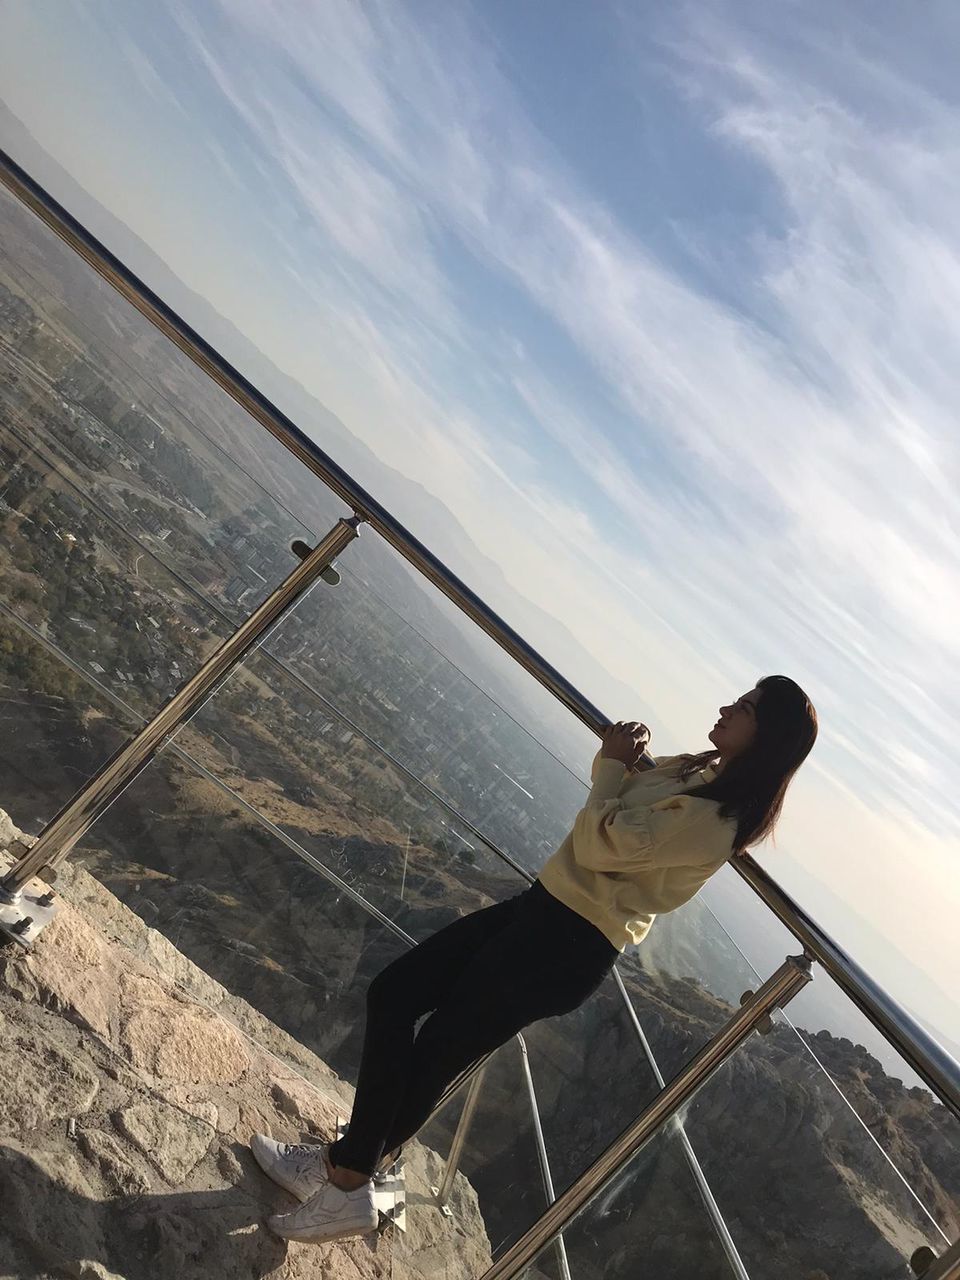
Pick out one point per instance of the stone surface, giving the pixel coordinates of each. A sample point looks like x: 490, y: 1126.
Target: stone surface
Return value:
x: 39, y: 1083
x: 176, y: 1040
x: 9, y: 832
x: 116, y: 1169
x: 166, y: 1075
x: 81, y: 982
x: 173, y: 1142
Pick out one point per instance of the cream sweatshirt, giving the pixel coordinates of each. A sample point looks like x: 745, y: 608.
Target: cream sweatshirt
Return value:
x: 639, y: 847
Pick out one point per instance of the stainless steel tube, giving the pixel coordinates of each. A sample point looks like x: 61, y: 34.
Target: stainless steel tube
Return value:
x: 78, y: 815
x: 460, y: 1137
x: 930, y: 1061
x: 727, y: 1243
x: 545, y: 1174
x: 790, y: 978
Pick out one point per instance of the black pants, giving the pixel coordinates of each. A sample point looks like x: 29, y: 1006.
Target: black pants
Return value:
x: 482, y: 979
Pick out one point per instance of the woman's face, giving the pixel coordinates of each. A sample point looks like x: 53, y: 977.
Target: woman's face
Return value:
x: 737, y: 726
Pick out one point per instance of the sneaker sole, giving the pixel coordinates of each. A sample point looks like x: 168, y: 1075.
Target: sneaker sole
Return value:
x: 306, y: 1237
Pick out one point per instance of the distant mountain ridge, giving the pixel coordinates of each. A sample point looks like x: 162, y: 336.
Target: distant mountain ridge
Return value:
x: 436, y: 524
x: 431, y: 521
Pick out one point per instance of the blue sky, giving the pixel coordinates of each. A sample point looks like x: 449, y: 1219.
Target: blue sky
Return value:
x: 671, y: 289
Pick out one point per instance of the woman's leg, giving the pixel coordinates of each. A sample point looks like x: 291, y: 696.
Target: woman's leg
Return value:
x: 547, y: 962
x: 397, y: 998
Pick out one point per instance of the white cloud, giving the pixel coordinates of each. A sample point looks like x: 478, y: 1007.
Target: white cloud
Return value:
x: 810, y: 522
x: 811, y: 519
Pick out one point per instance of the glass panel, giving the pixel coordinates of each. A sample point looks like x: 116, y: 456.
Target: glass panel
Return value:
x: 116, y: 464
x: 56, y: 729
x: 499, y: 1167
x: 77, y: 576
x: 650, y: 1220
x: 895, y: 1142
x: 591, y: 1077
x: 395, y: 682
x: 756, y: 932
x: 682, y: 981
x: 172, y: 451
x: 300, y: 764
x: 831, y: 1203
x: 915, y: 1132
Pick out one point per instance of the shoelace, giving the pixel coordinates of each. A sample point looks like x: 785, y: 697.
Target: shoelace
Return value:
x: 304, y: 1156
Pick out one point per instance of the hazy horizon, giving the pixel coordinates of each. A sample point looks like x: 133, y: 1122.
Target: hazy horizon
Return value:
x: 673, y: 300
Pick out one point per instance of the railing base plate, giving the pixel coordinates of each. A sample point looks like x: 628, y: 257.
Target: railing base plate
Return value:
x: 25, y: 916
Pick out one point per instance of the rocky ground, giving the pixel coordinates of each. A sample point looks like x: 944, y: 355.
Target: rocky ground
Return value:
x: 130, y: 1083
x: 227, y: 918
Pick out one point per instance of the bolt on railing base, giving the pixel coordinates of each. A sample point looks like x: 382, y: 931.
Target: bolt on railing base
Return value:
x: 24, y: 912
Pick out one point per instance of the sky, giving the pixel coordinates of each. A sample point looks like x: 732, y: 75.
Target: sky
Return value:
x: 661, y: 301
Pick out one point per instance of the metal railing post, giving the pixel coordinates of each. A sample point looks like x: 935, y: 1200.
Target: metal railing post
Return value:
x: 459, y: 1138
x: 76, y: 818
x: 545, y: 1174
x: 946, y: 1267
x: 782, y: 986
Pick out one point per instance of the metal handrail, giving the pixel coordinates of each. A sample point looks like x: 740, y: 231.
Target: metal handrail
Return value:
x: 946, y: 1267
x: 927, y: 1058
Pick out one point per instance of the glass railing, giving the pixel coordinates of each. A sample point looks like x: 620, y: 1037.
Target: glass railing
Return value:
x: 251, y: 909
x: 252, y: 897
x: 371, y: 771
x: 648, y: 1220
x: 831, y: 1187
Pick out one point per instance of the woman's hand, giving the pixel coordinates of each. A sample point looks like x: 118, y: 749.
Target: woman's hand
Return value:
x: 625, y: 741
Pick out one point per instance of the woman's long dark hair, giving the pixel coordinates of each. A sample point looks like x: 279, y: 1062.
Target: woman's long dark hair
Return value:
x: 752, y: 785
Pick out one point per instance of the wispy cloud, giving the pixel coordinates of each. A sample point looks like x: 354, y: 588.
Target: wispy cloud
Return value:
x: 703, y: 484
x: 811, y: 435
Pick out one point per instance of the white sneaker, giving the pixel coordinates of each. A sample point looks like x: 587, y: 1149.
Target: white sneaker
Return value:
x: 300, y: 1168
x: 330, y: 1214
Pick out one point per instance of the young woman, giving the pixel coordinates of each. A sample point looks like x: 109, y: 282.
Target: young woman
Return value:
x: 644, y: 843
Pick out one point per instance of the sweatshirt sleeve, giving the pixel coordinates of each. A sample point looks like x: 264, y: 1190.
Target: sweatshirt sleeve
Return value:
x: 678, y: 831
x: 661, y: 760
